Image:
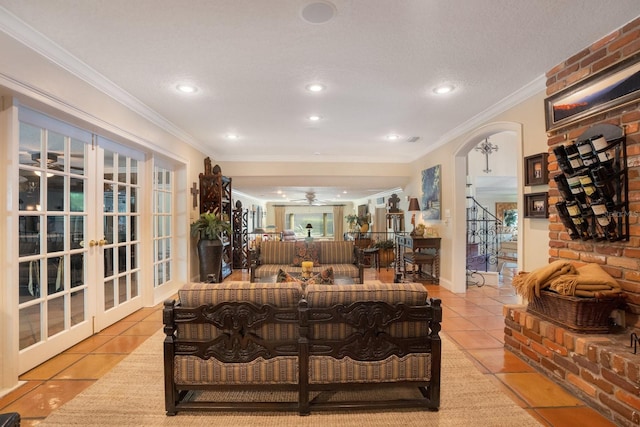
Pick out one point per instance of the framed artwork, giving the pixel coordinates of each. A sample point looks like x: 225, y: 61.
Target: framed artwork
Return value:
x: 535, y: 169
x: 613, y: 87
x: 536, y: 205
x: 431, y: 191
x: 502, y: 208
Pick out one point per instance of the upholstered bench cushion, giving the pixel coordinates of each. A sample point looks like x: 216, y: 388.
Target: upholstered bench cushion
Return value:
x: 327, y: 370
x: 281, y: 295
x: 275, y: 252
x: 336, y: 252
x: 392, y: 293
x: 191, y: 370
x: 349, y: 270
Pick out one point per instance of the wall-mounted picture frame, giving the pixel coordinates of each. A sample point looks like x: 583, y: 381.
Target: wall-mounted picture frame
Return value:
x: 613, y: 87
x: 431, y: 193
x: 535, y: 169
x: 536, y: 205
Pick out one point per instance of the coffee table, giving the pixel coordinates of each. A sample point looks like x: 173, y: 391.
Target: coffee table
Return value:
x: 338, y: 280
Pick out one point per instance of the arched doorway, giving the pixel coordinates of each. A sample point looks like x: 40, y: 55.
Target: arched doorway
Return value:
x: 459, y: 241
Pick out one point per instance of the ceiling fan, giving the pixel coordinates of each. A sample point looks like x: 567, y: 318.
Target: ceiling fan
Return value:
x: 310, y: 198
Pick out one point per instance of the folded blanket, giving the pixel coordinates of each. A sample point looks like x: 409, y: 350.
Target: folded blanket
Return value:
x: 529, y: 284
x: 589, y: 281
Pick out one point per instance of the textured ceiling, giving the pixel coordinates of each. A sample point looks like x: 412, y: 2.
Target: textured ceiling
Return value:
x: 379, y: 60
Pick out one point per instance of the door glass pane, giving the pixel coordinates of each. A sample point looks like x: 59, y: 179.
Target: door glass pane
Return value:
x: 122, y: 259
x: 76, y: 233
x: 76, y: 195
x: 134, y: 284
x: 108, y: 166
x: 122, y: 198
x: 29, y: 280
x: 29, y: 235
x: 108, y: 262
x: 107, y: 197
x: 30, y: 144
x: 134, y: 256
x: 77, y: 307
x: 122, y: 289
x: 108, y: 229
x: 55, y: 314
x: 108, y: 294
x: 133, y: 205
x: 55, y: 193
x: 77, y: 270
x: 30, y: 331
x: 55, y: 233
x: 76, y: 157
x: 134, y: 228
x: 133, y: 172
x: 122, y: 168
x: 29, y: 194
x: 55, y: 151
x: 55, y: 275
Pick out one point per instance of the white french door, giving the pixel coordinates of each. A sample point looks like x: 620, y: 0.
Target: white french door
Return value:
x: 78, y: 241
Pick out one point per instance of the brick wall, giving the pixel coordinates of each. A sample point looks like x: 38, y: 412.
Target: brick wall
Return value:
x: 620, y: 259
x: 600, y: 369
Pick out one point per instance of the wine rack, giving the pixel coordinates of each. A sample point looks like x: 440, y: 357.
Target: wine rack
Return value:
x: 593, y: 185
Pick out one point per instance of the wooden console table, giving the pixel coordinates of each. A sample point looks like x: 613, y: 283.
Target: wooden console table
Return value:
x: 418, y: 251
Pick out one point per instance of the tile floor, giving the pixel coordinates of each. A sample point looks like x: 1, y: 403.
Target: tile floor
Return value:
x: 474, y: 321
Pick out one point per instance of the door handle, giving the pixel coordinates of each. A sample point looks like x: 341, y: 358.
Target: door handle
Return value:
x: 102, y: 242
x: 92, y: 243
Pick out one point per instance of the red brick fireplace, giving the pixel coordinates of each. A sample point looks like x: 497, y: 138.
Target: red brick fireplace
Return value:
x: 600, y: 369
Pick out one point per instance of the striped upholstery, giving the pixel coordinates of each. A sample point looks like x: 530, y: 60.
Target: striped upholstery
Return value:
x: 336, y: 252
x: 279, y: 295
x: 324, y: 296
x: 327, y: 370
x: 275, y: 252
x: 191, y: 370
x: 393, y: 293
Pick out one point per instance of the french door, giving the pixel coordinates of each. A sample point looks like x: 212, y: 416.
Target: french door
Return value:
x: 78, y: 242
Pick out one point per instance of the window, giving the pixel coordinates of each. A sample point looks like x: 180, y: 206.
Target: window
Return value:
x: 162, y: 220
x: 322, y: 224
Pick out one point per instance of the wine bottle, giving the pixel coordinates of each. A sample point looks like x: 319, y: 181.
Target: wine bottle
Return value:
x: 587, y: 154
x: 574, y: 157
x: 605, y: 220
x: 564, y: 216
x: 578, y: 192
x: 575, y: 213
x: 605, y: 156
x: 587, y: 185
x: 563, y: 187
x: 602, y: 179
x: 563, y: 160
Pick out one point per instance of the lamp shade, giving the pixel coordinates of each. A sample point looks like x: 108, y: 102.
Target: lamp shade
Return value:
x: 413, y: 205
x: 309, y: 226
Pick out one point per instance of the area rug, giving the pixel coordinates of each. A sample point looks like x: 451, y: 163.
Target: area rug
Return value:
x: 131, y: 394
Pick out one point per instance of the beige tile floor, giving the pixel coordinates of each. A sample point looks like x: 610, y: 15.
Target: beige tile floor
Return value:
x: 474, y: 321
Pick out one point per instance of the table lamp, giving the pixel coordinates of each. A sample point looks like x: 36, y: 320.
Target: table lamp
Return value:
x: 413, y: 207
x: 309, y: 227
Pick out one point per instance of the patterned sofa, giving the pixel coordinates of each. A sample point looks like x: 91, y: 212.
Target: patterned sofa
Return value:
x: 295, y: 346
x: 273, y: 256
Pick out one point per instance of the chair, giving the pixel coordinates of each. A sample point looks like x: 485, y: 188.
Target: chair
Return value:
x: 427, y: 256
x: 10, y: 419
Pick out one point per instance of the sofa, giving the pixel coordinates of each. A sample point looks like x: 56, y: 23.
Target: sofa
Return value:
x: 299, y: 347
x: 266, y: 260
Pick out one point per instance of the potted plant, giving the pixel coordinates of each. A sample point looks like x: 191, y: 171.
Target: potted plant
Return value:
x: 385, y: 254
x: 210, y: 227
x: 352, y: 220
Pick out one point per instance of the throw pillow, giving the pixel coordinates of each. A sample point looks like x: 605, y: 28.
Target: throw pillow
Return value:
x: 323, y: 278
x: 306, y: 252
x: 284, y: 277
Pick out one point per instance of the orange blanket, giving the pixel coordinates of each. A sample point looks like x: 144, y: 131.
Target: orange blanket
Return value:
x: 529, y: 284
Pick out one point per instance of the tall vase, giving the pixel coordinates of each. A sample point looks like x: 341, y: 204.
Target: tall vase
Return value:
x: 210, y: 256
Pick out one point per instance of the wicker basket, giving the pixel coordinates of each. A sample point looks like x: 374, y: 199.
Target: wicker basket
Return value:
x: 584, y: 315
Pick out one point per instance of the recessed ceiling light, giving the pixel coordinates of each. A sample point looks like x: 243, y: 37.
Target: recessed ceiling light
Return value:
x: 314, y: 117
x: 186, y: 88
x: 441, y: 90
x: 315, y: 87
x: 232, y: 136
x: 318, y: 12
x: 393, y: 137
